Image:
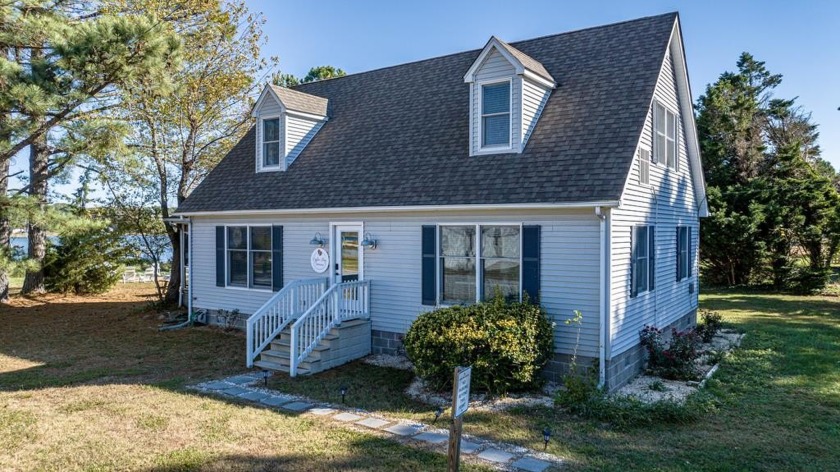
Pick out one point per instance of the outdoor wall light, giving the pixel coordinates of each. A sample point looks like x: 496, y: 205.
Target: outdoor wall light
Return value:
x: 343, y: 391
x: 546, y: 437
x: 369, y: 242
x: 317, y: 240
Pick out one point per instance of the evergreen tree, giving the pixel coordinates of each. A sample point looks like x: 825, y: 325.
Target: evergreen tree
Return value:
x: 773, y: 200
x: 60, y: 65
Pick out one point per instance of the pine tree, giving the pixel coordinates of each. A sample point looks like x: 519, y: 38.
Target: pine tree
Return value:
x: 60, y: 66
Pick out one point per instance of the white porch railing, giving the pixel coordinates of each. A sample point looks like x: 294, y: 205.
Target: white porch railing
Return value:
x: 285, y: 306
x: 343, y: 301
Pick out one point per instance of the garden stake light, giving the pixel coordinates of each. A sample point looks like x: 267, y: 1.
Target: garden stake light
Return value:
x: 265, y: 373
x: 343, y: 392
x: 438, y: 412
x: 546, y: 437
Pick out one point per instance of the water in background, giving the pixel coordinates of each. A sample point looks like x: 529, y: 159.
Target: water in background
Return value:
x: 19, y: 244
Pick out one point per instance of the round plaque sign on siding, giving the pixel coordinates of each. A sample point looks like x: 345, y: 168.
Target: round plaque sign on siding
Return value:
x: 320, y: 260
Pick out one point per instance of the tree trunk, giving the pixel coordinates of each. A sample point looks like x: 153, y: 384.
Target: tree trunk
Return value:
x: 5, y: 229
x: 38, y: 174
x: 174, y: 286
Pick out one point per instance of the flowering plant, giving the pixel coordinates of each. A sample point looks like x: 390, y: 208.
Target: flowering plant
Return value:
x: 673, y: 360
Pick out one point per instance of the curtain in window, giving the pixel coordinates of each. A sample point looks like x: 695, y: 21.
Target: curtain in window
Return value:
x: 457, y: 246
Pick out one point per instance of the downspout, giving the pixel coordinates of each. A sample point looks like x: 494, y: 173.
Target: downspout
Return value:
x: 188, y: 224
x: 604, y: 309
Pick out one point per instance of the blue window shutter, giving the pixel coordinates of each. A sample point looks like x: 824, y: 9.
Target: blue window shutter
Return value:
x: 276, y: 258
x: 651, y: 256
x: 429, y: 250
x: 690, y: 254
x: 633, y: 254
x: 679, y: 253
x: 220, y: 256
x: 531, y: 262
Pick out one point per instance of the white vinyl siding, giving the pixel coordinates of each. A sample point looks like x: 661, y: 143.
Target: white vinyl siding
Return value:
x: 569, y: 265
x: 494, y: 69
x: 299, y: 131
x: 669, y: 201
x: 534, y: 98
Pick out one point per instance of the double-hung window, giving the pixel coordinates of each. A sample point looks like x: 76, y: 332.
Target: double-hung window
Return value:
x: 643, y: 259
x: 495, y: 115
x: 271, y: 142
x: 249, y: 257
x: 479, y: 261
x: 665, y: 136
x: 683, y: 252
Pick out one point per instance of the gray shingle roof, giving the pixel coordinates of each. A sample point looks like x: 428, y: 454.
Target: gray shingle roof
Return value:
x: 299, y: 101
x: 399, y: 136
x: 529, y: 62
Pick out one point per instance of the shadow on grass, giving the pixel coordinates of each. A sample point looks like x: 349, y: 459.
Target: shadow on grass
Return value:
x: 360, y: 453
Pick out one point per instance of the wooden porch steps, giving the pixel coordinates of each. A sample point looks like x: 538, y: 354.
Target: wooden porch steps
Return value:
x: 344, y: 343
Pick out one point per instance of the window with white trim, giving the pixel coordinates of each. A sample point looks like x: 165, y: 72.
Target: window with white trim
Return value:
x: 643, y: 256
x: 478, y: 261
x: 495, y: 115
x: 664, y: 136
x: 683, y: 252
x: 249, y: 256
x: 644, y: 167
x: 271, y: 142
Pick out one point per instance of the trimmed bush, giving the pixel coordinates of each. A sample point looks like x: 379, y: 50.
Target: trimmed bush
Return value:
x: 506, y: 343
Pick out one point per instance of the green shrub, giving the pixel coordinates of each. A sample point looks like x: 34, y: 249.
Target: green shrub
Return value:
x: 711, y: 323
x: 506, y: 343
x: 808, y: 281
x: 84, y: 261
x: 674, y: 360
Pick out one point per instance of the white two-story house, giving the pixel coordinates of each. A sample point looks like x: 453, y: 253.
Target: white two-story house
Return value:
x: 566, y: 167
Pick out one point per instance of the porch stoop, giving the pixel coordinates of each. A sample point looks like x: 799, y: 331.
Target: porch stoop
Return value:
x: 344, y: 343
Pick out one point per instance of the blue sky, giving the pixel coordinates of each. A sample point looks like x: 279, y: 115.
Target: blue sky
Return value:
x: 798, y: 39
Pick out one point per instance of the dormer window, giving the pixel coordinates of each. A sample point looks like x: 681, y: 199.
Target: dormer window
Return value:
x: 495, y: 115
x: 271, y: 142
x: 286, y: 121
x: 508, y: 90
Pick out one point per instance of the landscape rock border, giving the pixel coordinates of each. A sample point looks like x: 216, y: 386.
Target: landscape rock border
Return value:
x: 678, y: 390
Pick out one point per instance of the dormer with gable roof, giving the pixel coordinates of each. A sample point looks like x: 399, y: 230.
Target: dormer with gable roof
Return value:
x: 508, y: 90
x: 286, y: 121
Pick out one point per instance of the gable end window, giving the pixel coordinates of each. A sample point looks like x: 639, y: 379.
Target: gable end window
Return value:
x: 683, y: 252
x: 271, y: 142
x: 249, y: 256
x: 665, y: 136
x: 495, y: 115
x: 642, y: 265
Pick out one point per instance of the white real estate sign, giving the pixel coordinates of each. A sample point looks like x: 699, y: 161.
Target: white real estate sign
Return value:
x: 462, y: 397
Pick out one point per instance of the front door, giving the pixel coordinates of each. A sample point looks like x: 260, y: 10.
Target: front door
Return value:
x: 348, y: 261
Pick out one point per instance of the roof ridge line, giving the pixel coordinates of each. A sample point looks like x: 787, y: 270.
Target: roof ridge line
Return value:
x: 478, y: 50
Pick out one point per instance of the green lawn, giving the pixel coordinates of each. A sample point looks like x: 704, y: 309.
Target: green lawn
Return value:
x: 91, y: 384
x: 778, y: 396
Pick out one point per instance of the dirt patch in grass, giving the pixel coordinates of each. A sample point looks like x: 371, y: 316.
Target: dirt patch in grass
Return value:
x: 89, y: 383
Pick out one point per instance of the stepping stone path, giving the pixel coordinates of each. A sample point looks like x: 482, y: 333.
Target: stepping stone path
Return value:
x: 246, y: 387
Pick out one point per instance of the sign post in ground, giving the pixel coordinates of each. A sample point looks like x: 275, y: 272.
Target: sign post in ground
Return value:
x: 460, y: 403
